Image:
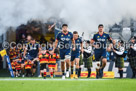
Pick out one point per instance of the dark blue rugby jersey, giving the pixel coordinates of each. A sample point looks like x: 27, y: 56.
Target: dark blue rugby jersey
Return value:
x: 64, y: 40
x: 101, y: 39
x: 78, y: 42
x: 33, y: 49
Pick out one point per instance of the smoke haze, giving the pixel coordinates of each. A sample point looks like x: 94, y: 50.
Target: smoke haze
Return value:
x: 81, y: 15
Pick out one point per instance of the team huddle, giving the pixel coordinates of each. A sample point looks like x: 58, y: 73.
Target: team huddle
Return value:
x: 69, y: 50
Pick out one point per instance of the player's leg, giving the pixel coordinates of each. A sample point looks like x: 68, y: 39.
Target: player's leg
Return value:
x: 51, y: 72
x: 72, y: 66
x: 29, y: 73
x: 62, y: 59
x: 41, y: 70
x: 63, y: 69
x: 67, y: 67
x: 97, y: 59
x: 77, y: 67
x: 67, y: 59
x: 16, y: 73
x: 34, y: 66
x: 23, y: 68
x: 80, y: 64
x: 104, y: 62
x: 44, y: 73
x: 54, y: 72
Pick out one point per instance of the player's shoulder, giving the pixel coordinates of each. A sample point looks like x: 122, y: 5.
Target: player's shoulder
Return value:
x: 95, y: 34
x: 70, y: 33
x: 59, y: 33
x: 37, y: 42
x: 106, y: 33
x: 79, y: 39
x: 28, y: 43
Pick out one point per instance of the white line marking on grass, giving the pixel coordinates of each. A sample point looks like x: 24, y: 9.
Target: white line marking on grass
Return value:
x: 29, y: 79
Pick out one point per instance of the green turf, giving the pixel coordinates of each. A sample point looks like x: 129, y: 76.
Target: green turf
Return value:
x: 68, y: 85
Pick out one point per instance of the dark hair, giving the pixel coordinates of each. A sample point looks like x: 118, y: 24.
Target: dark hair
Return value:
x: 75, y: 32
x: 88, y: 42
x: 100, y: 25
x: 64, y: 25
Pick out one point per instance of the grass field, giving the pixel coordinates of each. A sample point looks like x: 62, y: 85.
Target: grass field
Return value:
x: 39, y: 84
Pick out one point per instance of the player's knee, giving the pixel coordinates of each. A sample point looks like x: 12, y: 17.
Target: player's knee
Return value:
x: 104, y: 60
x: 72, y: 63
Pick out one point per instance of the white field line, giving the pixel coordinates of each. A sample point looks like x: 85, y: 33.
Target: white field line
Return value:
x: 29, y: 79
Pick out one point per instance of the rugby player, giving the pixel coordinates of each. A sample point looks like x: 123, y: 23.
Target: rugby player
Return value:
x: 99, y: 41
x: 25, y: 43
x: 76, y: 54
x: 32, y: 49
x: 64, y: 39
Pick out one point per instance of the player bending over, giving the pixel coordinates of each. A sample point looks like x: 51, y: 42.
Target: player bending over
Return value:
x: 31, y: 51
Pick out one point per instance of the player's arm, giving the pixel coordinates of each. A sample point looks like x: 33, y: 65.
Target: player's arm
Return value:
x: 39, y: 49
x: 110, y: 40
x: 73, y: 43
x: 52, y: 26
x: 25, y: 50
x: 92, y: 42
x: 56, y: 42
x: 55, y: 45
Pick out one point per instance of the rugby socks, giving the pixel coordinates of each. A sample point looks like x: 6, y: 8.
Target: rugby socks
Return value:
x: 44, y: 74
x: 89, y: 73
x: 63, y: 73
x: 97, y: 74
x: 101, y: 72
x: 51, y: 73
x: 67, y: 69
x: 71, y: 69
x: 79, y: 72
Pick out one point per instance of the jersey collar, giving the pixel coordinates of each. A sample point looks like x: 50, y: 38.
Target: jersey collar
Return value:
x: 101, y: 34
x: 66, y: 33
